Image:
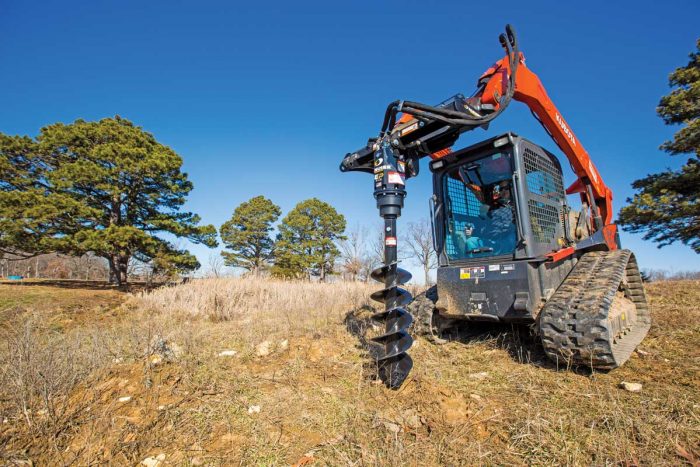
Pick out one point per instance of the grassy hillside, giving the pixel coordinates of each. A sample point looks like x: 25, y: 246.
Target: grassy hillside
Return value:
x: 234, y: 371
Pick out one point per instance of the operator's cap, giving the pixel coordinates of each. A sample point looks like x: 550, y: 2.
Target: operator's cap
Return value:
x: 469, y: 226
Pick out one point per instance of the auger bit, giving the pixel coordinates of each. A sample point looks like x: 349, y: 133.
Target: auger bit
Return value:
x: 394, y: 364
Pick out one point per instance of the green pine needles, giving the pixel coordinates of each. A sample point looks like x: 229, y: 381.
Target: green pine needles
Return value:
x: 107, y: 187
x: 666, y: 207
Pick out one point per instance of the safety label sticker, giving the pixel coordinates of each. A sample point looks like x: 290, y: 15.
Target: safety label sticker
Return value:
x: 396, y: 178
x: 509, y: 267
x: 409, y: 129
x: 390, y: 241
x: 494, y: 267
x: 472, y: 273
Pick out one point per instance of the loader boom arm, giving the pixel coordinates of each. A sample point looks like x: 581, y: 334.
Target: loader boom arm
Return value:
x: 530, y: 91
x: 507, y: 79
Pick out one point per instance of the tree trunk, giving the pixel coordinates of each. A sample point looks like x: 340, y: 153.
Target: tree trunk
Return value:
x: 113, y: 273
x: 123, y: 269
x: 426, y: 269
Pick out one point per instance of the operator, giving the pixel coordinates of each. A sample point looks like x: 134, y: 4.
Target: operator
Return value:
x: 501, y: 225
x: 466, y: 241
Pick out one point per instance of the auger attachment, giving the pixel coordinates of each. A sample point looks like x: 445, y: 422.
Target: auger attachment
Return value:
x: 394, y: 363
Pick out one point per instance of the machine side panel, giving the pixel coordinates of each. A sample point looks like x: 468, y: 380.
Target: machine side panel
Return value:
x: 493, y: 291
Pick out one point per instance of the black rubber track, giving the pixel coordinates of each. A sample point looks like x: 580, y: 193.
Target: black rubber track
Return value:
x: 574, y: 323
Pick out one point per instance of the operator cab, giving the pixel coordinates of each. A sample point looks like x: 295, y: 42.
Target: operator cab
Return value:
x: 480, y: 208
x: 499, y: 209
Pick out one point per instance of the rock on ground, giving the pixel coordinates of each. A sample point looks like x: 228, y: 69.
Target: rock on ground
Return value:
x: 479, y: 376
x: 631, y: 387
x: 392, y: 427
x: 263, y: 349
x: 153, y: 461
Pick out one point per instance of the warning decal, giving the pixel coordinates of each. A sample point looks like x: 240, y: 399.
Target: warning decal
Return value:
x: 472, y: 273
x: 396, y: 178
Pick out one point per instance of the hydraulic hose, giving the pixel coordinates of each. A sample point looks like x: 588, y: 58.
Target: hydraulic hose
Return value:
x: 452, y: 117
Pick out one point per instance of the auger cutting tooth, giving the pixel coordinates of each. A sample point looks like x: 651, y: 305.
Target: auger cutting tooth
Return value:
x: 394, y: 372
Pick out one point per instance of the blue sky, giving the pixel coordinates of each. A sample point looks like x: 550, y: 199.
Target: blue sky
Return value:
x: 266, y: 97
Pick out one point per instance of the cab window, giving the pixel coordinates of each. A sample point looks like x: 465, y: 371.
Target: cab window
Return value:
x: 480, y: 211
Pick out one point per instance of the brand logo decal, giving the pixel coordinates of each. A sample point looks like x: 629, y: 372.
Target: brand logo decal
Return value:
x: 565, y: 129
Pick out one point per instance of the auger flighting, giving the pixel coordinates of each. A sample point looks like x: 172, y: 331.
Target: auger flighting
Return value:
x: 389, y: 179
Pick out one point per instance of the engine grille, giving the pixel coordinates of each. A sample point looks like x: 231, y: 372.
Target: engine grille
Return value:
x: 544, y: 220
x: 542, y: 176
x: 546, y: 187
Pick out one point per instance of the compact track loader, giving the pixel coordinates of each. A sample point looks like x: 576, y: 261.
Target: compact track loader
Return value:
x: 511, y: 248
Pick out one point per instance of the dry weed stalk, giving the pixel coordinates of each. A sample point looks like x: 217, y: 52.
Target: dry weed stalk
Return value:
x: 37, y: 372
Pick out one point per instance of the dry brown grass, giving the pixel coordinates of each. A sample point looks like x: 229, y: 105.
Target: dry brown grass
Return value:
x: 228, y: 298
x: 318, y: 401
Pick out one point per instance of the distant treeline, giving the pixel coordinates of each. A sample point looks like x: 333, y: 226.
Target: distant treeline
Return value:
x: 657, y: 275
x: 105, y: 200
x: 311, y: 242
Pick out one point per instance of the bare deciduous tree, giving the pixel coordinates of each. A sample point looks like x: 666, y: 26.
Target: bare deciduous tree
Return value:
x: 376, y: 246
x: 216, y: 265
x: 353, y: 253
x: 419, y: 245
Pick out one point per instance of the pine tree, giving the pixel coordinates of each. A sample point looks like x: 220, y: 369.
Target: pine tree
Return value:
x: 107, y: 187
x: 30, y: 215
x: 247, y: 234
x: 667, y: 206
x: 306, y: 241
